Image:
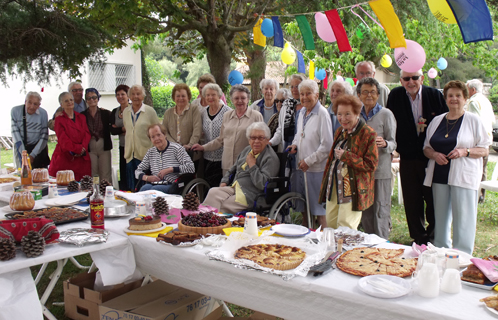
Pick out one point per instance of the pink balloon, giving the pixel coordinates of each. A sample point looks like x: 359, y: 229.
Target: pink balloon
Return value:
x: 432, y: 73
x: 411, y: 58
x: 323, y: 28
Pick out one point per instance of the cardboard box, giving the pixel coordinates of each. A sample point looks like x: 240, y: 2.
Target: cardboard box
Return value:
x: 157, y: 301
x: 82, y: 302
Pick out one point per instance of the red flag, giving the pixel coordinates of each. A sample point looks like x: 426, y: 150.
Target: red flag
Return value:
x: 338, y: 28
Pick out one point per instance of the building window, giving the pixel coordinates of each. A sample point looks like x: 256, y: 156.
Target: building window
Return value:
x: 106, y: 77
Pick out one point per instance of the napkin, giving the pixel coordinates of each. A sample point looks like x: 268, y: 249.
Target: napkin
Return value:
x: 151, y: 234
x: 489, y: 268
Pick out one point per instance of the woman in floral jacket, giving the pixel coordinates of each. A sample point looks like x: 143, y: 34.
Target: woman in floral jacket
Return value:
x: 348, y: 180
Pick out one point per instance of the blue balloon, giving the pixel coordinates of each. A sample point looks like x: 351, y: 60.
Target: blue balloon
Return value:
x: 442, y: 64
x: 235, y: 77
x: 320, y: 74
x: 267, y: 28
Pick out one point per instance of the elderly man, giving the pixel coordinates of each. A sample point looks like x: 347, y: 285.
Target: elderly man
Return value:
x: 30, y: 131
x: 414, y: 106
x: 254, y: 166
x: 76, y: 89
x: 366, y: 69
x: 480, y: 105
x: 165, y: 160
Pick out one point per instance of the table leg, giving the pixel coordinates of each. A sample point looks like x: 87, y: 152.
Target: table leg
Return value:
x: 41, y: 272
x: 55, y: 276
x: 77, y: 264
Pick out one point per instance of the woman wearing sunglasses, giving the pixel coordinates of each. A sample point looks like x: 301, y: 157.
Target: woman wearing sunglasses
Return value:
x: 282, y: 95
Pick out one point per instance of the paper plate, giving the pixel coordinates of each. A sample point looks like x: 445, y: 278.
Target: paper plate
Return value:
x: 290, y: 230
x: 163, y: 225
x: 401, y: 286
x: 69, y: 199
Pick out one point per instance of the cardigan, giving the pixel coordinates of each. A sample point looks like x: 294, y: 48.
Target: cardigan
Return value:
x: 190, y: 126
x: 361, y: 157
x: 118, y: 131
x: 465, y: 172
x: 211, y: 129
x: 136, y: 140
x: 409, y: 144
x: 105, y: 116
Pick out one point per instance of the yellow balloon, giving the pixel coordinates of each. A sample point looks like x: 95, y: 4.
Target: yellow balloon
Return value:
x: 288, y: 54
x: 386, y: 61
x: 442, y: 11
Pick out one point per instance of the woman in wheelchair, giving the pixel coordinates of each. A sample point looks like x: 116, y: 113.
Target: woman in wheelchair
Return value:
x: 255, y: 165
x: 165, y: 160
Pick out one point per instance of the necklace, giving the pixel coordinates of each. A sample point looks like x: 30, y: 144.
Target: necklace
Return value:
x: 452, y: 124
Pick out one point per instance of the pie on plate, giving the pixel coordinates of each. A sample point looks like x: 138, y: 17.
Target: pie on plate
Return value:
x: 372, y: 261
x: 273, y: 256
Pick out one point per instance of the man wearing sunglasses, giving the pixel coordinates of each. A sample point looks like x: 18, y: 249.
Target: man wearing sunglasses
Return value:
x: 414, y: 106
x: 366, y: 69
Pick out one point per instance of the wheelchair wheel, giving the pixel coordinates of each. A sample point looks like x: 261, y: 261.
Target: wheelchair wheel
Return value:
x: 283, y: 210
x: 198, y: 186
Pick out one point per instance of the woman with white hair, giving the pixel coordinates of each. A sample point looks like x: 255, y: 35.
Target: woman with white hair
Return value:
x: 282, y: 95
x: 255, y: 165
x: 337, y: 88
x: 267, y: 106
x: 312, y: 143
x: 136, y: 120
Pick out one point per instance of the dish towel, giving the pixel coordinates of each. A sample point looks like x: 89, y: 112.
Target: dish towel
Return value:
x: 489, y: 268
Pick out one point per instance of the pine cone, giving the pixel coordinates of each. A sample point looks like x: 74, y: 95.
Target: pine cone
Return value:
x: 86, y: 183
x: 160, y: 206
x: 104, y: 183
x: 191, y: 202
x: 33, y: 244
x: 73, y: 186
x: 7, y: 249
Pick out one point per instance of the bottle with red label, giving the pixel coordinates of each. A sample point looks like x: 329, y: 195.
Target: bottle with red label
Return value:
x: 26, y: 178
x: 97, y: 206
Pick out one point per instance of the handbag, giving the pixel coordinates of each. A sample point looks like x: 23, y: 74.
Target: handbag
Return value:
x: 16, y: 229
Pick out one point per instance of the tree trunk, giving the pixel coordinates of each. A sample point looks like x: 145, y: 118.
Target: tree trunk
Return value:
x: 146, y: 81
x: 256, y: 60
x: 219, y: 56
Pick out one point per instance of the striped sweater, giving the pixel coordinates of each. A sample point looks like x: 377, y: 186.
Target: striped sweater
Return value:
x: 173, y: 156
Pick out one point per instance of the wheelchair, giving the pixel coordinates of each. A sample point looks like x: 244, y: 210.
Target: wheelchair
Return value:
x: 184, y: 184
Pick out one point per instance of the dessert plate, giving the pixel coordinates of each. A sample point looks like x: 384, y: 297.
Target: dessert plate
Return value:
x: 384, y: 286
x: 70, y: 199
x: 488, y: 285
x: 290, y: 230
x: 163, y: 225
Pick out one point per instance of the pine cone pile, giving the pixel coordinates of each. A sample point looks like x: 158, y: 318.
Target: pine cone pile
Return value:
x: 73, y: 186
x: 32, y: 244
x: 191, y: 202
x: 160, y: 206
x: 86, y: 183
x: 103, y: 184
x: 7, y: 249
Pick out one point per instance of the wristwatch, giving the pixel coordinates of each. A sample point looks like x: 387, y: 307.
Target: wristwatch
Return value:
x: 468, y: 152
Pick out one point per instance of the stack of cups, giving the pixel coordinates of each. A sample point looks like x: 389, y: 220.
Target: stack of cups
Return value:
x: 451, y: 282
x: 140, y: 208
x: 52, y: 191
x: 251, y: 224
x: 109, y: 194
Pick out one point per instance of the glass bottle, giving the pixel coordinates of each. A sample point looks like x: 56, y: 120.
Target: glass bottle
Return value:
x: 97, y: 206
x: 26, y: 178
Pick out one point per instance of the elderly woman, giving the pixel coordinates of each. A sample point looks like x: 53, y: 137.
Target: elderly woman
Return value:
x: 267, y: 106
x: 254, y: 166
x: 455, y: 144
x: 348, y: 179
x: 165, y: 160
x: 136, y: 120
x: 377, y: 218
x: 232, y: 136
x: 336, y: 89
x: 200, y: 102
x: 212, y: 120
x: 183, y: 122
x: 282, y: 95
x: 99, y: 125
x: 312, y: 142
x: 71, y: 151
x: 117, y: 128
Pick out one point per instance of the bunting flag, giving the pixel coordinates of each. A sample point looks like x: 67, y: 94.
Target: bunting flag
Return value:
x: 278, y: 35
x: 389, y: 20
x: 301, y: 68
x: 259, y: 38
x: 312, y: 70
x: 338, y: 28
x: 473, y: 18
x: 306, y: 32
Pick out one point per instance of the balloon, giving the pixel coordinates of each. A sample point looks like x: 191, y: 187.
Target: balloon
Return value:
x: 442, y: 11
x: 442, y: 64
x: 323, y: 28
x: 411, y: 58
x: 339, y: 78
x: 267, y: 28
x: 432, y: 73
x: 351, y: 81
x: 235, y: 77
x: 355, y: 80
x: 386, y: 61
x: 320, y: 74
x: 288, y: 54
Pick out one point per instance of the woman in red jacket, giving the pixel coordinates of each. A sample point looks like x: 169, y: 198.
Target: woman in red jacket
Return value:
x: 72, y: 141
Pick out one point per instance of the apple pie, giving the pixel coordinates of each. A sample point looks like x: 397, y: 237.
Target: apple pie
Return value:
x: 273, y: 256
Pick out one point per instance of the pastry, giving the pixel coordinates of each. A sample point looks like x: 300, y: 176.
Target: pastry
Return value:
x: 40, y: 175
x: 262, y: 221
x: 473, y: 274
x: 7, y: 180
x: 58, y: 215
x: 204, y: 223
x: 372, y: 261
x: 22, y: 201
x: 177, y: 237
x: 145, y: 223
x: 273, y: 256
x: 64, y: 177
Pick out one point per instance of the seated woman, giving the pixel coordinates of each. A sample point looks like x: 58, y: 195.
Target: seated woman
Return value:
x: 165, y: 160
x: 254, y: 166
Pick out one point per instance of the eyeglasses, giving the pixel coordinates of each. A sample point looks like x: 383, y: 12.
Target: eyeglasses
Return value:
x: 77, y: 90
x: 92, y: 98
x: 260, y: 138
x: 414, y: 78
x: 365, y: 93
x: 279, y: 100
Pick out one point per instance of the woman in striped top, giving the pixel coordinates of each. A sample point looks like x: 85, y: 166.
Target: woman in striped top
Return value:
x: 166, y: 161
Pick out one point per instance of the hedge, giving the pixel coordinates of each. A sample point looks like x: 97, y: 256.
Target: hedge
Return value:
x: 161, y: 97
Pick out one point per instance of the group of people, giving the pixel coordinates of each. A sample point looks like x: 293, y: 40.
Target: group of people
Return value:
x: 340, y: 157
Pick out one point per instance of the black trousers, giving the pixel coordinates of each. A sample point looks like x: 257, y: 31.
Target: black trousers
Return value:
x: 123, y: 185
x: 42, y: 160
x: 417, y: 197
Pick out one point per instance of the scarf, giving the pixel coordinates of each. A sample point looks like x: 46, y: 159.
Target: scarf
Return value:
x: 289, y: 118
